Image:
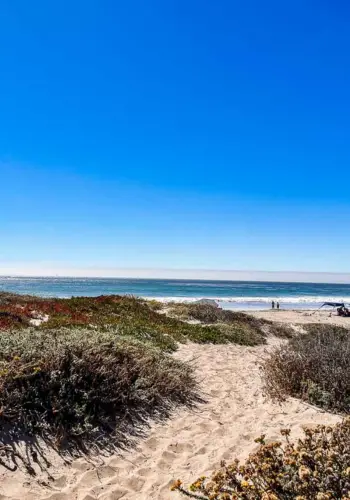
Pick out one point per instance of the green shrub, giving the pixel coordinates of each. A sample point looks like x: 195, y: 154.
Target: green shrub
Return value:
x: 250, y: 330
x: 281, y: 330
x: 312, y: 366
x: 241, y: 334
x: 206, y: 313
x: 82, y: 385
x: 317, y: 467
x: 317, y: 328
x: 128, y: 316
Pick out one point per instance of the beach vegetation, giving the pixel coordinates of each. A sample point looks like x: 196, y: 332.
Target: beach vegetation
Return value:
x: 312, y: 366
x: 77, y: 386
x: 91, y: 367
x: 246, y: 323
x: 127, y: 315
x: 315, y: 467
x: 79, y: 369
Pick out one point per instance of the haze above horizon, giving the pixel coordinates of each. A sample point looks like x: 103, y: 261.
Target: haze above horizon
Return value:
x: 175, y: 135
x: 176, y: 274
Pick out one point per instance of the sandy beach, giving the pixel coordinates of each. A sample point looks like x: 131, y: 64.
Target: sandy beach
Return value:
x: 296, y: 317
x: 191, y: 443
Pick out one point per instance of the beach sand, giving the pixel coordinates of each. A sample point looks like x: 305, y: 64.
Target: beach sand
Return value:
x: 191, y: 443
x: 302, y: 316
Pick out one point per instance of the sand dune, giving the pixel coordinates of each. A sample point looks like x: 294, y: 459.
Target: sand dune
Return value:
x: 192, y: 443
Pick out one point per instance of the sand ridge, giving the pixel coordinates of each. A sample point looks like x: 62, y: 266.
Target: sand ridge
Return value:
x: 191, y: 443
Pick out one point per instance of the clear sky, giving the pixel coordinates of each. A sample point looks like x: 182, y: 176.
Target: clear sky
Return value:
x: 175, y: 134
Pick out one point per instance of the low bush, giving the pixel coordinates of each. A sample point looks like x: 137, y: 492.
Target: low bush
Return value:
x: 81, y: 385
x: 316, y: 328
x: 281, y: 330
x: 249, y: 327
x: 129, y: 316
x: 10, y: 319
x: 241, y: 334
x: 206, y: 313
x: 312, y: 366
x: 316, y: 467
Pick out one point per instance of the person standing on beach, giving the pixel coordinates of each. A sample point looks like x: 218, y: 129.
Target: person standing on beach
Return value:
x: 273, y: 304
x: 278, y: 305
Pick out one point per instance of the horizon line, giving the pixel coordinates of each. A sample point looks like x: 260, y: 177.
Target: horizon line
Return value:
x: 175, y: 274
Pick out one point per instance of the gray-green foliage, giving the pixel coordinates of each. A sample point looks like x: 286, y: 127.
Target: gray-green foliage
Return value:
x: 81, y: 383
x: 313, y: 366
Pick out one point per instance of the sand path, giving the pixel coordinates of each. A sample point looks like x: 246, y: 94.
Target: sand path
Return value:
x: 188, y: 445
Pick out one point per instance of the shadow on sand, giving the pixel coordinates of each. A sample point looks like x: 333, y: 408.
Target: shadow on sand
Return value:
x: 38, y: 454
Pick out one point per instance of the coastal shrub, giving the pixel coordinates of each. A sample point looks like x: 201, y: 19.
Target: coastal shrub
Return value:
x: 241, y: 334
x: 143, y: 333
x: 280, y: 330
x: 209, y: 314
x: 312, y: 366
x: 128, y: 316
x: 10, y: 319
x: 316, y: 467
x: 79, y: 385
x: 313, y: 328
x: 205, y: 313
x: 155, y: 305
x: 249, y: 325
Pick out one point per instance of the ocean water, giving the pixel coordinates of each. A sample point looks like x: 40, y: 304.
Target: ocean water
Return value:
x: 239, y: 295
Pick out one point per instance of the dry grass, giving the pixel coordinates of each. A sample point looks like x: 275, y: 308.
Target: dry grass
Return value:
x: 312, y: 366
x: 316, y: 467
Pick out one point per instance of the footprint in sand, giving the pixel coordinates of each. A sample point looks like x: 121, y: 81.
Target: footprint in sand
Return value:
x: 163, y: 465
x: 145, y: 472
x: 106, y: 472
x: 88, y: 497
x: 135, y: 483
x: 81, y: 465
x: 180, y: 447
x: 168, y: 455
x: 57, y: 496
x: 60, y: 482
x: 88, y: 480
x: 114, y: 494
x: 202, y: 451
x: 152, y: 444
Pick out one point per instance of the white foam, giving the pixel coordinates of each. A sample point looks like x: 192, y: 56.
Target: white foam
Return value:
x: 303, y: 299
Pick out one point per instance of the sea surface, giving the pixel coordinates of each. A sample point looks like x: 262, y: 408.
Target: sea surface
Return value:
x: 239, y: 295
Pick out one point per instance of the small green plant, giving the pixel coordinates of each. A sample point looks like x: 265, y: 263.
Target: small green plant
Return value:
x: 317, y: 467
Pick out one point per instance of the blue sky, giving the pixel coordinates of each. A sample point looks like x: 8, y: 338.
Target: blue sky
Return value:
x: 178, y: 134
